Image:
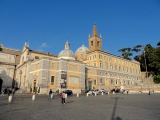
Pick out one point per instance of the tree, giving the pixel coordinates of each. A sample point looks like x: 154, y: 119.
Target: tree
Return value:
x: 149, y: 54
x: 158, y: 44
x: 157, y: 79
x: 126, y: 52
x: 137, y: 48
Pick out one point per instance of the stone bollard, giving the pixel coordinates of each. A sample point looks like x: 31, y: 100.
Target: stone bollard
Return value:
x: 87, y: 94
x: 102, y: 93
x: 33, y: 97
x: 77, y: 94
x: 95, y: 94
x: 65, y: 95
x: 108, y: 93
x: 51, y: 95
x: 113, y: 92
x: 10, y: 98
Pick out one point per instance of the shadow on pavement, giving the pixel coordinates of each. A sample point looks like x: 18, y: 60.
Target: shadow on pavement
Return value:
x: 114, y: 109
x: 70, y: 102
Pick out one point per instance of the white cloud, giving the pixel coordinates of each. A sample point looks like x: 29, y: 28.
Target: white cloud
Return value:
x: 44, y: 45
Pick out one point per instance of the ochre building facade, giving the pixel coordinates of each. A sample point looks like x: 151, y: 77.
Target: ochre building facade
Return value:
x: 87, y: 68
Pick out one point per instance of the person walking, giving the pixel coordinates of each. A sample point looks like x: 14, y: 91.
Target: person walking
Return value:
x: 3, y: 91
x: 49, y: 95
x: 127, y: 92
x: 63, y: 97
x: 1, y: 82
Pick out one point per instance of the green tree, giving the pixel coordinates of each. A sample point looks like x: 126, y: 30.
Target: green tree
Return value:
x: 157, y: 79
x: 126, y: 52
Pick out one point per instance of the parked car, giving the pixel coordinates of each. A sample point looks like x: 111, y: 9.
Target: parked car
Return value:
x: 102, y: 90
x: 68, y: 92
x: 90, y: 93
x: 96, y: 91
x: 85, y: 91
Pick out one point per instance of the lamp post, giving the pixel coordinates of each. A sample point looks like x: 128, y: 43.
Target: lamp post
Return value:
x: 146, y: 67
x: 13, y: 81
x: 20, y: 73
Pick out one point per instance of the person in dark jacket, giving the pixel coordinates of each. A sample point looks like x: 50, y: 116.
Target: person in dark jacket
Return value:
x: 1, y: 82
x: 49, y: 95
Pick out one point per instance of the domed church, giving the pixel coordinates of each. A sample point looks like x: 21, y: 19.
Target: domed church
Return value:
x: 88, y: 68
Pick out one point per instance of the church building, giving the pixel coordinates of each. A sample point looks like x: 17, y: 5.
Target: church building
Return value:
x: 87, y: 68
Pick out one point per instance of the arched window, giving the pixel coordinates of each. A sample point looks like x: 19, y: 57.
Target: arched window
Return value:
x: 97, y: 43
x: 91, y: 43
x: 100, y: 64
x: 115, y: 67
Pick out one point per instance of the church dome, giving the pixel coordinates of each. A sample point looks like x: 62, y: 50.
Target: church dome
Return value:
x: 83, y: 48
x: 66, y: 53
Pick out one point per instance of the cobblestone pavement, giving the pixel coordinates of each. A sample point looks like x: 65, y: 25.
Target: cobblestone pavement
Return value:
x: 106, y: 107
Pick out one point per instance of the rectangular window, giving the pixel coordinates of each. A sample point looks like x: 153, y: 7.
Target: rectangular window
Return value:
x: 94, y: 56
x: 52, y: 80
x: 110, y: 59
x: 111, y: 81
x: 94, y: 64
x: 100, y: 65
x: 106, y: 65
x: 111, y: 67
x: 100, y: 56
x: 105, y: 58
x: 101, y: 81
x: 94, y: 82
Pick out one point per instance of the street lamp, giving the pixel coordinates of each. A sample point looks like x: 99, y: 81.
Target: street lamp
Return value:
x: 146, y: 67
x: 13, y: 81
x: 20, y: 73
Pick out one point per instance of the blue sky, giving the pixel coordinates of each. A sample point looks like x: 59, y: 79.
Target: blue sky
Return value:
x: 47, y: 24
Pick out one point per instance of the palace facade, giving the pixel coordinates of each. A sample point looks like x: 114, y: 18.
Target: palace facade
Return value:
x: 87, y: 68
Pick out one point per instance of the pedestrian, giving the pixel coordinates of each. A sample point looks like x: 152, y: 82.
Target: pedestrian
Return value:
x: 1, y: 82
x: 127, y: 92
x: 63, y: 97
x: 30, y: 89
x: 49, y: 95
x: 149, y: 92
x: 3, y: 91
x: 122, y: 91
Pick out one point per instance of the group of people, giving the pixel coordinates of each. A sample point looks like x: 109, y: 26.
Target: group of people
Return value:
x: 9, y: 91
x: 122, y: 91
x: 50, y: 95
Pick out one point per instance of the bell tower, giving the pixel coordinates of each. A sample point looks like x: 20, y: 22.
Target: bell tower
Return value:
x: 95, y: 41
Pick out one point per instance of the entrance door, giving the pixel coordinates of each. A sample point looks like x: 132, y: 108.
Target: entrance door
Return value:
x: 90, y: 85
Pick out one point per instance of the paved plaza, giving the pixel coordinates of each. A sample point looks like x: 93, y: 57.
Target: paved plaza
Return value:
x: 106, y: 107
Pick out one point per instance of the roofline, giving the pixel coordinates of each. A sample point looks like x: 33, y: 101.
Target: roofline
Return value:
x: 113, y: 55
x: 10, y: 48
x: 42, y: 53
